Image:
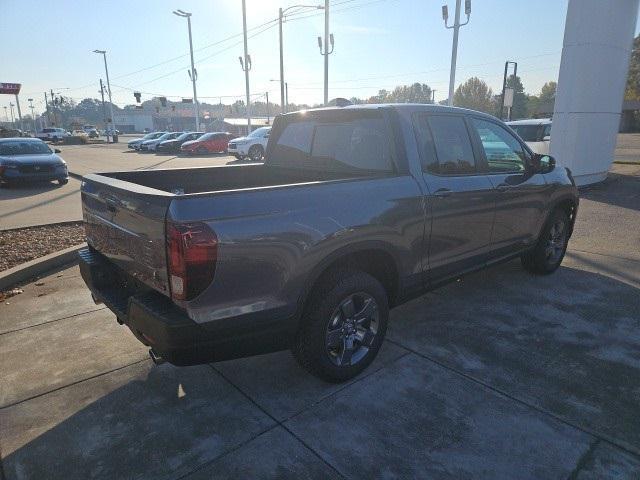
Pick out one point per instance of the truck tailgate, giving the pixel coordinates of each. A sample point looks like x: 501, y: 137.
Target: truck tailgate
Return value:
x: 126, y: 223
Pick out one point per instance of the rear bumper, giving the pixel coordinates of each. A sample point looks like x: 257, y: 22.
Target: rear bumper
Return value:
x: 158, y: 323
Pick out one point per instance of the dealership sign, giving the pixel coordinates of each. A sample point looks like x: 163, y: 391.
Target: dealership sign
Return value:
x: 10, y: 88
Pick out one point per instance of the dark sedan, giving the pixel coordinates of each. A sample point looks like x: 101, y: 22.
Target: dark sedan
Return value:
x: 30, y: 160
x: 175, y: 144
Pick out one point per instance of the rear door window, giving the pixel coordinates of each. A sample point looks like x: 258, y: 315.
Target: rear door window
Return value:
x: 452, y: 144
x: 342, y: 141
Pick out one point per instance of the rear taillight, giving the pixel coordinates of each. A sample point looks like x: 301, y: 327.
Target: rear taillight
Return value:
x: 192, y: 252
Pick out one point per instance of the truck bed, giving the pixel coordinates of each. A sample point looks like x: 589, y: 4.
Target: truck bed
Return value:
x: 232, y: 177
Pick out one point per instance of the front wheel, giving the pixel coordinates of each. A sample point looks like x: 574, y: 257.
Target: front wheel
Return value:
x: 547, y: 255
x: 256, y: 153
x: 63, y: 181
x: 343, y: 326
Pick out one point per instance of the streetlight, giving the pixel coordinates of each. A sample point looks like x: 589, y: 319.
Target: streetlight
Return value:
x: 193, y: 74
x: 281, y: 15
x: 328, y: 38
x: 106, y: 69
x: 454, y: 49
x: 33, y: 116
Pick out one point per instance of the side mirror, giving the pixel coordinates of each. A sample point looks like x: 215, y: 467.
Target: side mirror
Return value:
x: 546, y: 138
x: 542, y: 163
x: 57, y: 150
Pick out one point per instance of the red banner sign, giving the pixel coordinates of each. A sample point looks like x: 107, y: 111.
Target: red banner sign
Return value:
x: 10, y: 88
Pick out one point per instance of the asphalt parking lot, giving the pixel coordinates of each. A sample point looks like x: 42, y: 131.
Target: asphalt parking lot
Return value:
x: 499, y: 375
x: 37, y: 204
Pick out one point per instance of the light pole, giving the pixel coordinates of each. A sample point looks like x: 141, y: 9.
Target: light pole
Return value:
x: 246, y: 65
x: 328, y: 38
x: 106, y: 69
x: 281, y: 16
x: 6, y: 114
x: 193, y: 73
x: 33, y: 116
x: 454, y: 49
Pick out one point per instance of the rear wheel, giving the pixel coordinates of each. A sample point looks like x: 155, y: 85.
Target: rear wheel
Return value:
x: 549, y: 251
x: 256, y: 153
x: 343, y: 326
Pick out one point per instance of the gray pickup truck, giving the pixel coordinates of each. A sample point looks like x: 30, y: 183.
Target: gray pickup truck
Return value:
x: 354, y: 210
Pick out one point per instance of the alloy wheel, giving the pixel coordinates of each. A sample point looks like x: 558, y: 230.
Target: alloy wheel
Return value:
x: 555, y: 242
x: 352, y: 329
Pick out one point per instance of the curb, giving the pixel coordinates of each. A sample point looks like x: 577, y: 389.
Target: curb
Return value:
x: 38, y: 266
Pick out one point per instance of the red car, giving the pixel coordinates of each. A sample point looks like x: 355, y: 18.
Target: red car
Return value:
x: 208, y: 143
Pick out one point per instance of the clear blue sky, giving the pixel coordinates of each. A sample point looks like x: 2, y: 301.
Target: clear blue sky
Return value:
x: 379, y: 44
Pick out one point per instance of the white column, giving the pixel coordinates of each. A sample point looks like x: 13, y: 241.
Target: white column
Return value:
x: 598, y: 37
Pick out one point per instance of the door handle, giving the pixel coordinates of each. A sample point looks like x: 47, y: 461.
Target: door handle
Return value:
x: 442, y: 192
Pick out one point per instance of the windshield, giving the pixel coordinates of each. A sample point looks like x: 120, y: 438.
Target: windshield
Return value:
x: 259, y: 132
x: 528, y: 133
x: 24, y: 148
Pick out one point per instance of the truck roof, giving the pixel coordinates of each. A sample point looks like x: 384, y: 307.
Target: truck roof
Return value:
x: 403, y: 107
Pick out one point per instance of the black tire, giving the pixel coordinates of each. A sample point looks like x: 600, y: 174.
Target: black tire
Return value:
x: 332, y: 330
x: 547, y: 255
x: 63, y: 181
x: 238, y: 157
x: 256, y: 152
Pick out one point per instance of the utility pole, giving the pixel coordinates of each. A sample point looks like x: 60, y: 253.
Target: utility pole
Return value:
x: 13, y: 122
x: 106, y: 69
x: 286, y: 97
x: 454, y: 49
x: 433, y: 96
x: 46, y: 106
x: 104, y: 111
x: 6, y: 114
x: 268, y: 113
x: 328, y: 38
x: 281, y: 18
x: 33, y: 116
x: 193, y: 73
x: 246, y: 66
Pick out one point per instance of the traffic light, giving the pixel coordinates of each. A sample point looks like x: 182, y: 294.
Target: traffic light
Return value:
x: 138, y: 95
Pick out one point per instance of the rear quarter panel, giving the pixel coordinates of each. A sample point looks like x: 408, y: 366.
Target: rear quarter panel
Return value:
x: 271, y: 240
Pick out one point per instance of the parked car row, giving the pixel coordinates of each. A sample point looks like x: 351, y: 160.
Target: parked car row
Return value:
x: 193, y: 143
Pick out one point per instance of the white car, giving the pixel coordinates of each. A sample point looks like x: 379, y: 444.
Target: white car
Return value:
x: 54, y: 134
x: 252, y: 146
x: 536, y: 132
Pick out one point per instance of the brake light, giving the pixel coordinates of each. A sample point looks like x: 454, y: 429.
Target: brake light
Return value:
x: 192, y: 252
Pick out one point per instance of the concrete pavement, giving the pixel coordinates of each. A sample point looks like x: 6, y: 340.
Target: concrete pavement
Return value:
x: 499, y: 375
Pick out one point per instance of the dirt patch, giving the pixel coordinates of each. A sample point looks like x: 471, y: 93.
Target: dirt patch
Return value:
x: 23, y: 244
